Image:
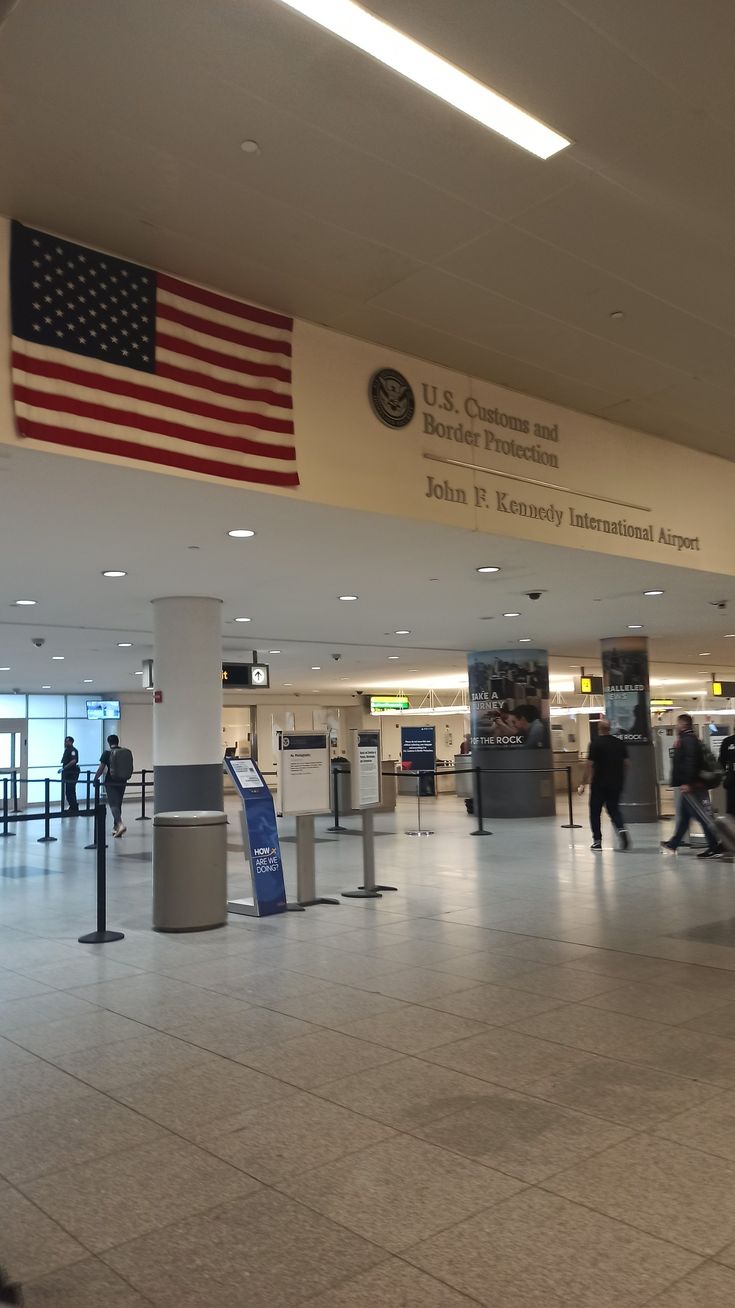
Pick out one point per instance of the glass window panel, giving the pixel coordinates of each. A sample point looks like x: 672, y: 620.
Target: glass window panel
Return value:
x: 12, y: 706
x: 87, y: 740
x: 76, y: 705
x: 45, y: 747
x: 46, y: 706
x: 6, y: 749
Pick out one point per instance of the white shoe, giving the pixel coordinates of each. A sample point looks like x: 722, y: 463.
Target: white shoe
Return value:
x: 120, y: 831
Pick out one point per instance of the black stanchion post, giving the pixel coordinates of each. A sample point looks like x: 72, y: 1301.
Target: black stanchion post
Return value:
x: 101, y: 936
x: 478, y: 805
x: 88, y: 792
x: 571, y: 824
x: 336, y: 772
x: 143, y: 817
x: 46, y: 838
x: 62, y: 795
x: 5, y: 831
x: 15, y: 790
x: 99, y: 827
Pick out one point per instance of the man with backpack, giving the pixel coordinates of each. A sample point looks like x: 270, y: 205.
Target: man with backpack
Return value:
x: 116, y: 764
x: 694, y: 771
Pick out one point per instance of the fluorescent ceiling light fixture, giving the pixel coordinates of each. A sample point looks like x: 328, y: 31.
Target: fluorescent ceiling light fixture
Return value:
x: 45, y: 688
x: 403, y: 633
x: 635, y: 626
x: 57, y: 658
x: 88, y: 680
x: 4, y: 669
x: 316, y: 669
x: 394, y: 656
x: 434, y: 74
x: 511, y: 615
x: 347, y: 598
x: 25, y: 603
x: 706, y: 654
x: 243, y: 619
x: 114, y: 572
x: 487, y: 569
x: 653, y: 592
x: 125, y: 644
x: 524, y: 640
x: 241, y: 533
x: 730, y: 635
x: 274, y: 651
x: 288, y: 683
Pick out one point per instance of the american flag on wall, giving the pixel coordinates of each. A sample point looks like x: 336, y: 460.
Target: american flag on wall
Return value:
x: 112, y: 357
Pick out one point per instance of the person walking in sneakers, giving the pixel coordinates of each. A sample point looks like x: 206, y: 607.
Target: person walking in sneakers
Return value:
x: 116, y: 765
x: 686, y: 775
x: 607, y: 762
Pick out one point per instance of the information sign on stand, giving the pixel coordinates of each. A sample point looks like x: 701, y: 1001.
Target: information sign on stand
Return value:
x: 365, y: 769
x: 365, y: 772
x: 303, y: 774
x: 260, y: 840
x: 418, y: 752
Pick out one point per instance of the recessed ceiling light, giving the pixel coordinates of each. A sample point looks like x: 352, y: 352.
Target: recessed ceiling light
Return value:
x: 124, y: 644
x: 347, y: 598
x: 394, y: 656
x: 730, y: 635
x: 316, y: 669
x: 403, y: 633
x: 4, y: 669
x: 511, y: 615
x: 288, y: 683
x: 487, y: 569
x: 250, y: 147
x: 88, y: 681
x: 25, y: 603
x: 634, y: 626
x: 241, y: 533
x: 57, y: 658
x: 274, y: 651
x: 653, y: 592
x: 617, y: 314
x: 139, y: 674
x: 243, y: 619
x: 45, y: 688
x: 113, y: 572
x: 420, y: 65
x: 524, y: 640
x: 706, y: 653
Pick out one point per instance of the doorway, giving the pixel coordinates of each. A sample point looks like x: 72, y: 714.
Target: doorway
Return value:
x: 14, y: 762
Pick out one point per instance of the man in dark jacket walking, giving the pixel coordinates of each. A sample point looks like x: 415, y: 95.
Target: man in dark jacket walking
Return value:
x: 686, y: 775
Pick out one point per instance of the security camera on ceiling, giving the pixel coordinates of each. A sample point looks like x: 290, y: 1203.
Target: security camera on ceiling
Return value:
x: 38, y: 641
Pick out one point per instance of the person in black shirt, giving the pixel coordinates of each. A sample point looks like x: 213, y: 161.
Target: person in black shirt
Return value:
x: 727, y: 763
x: 70, y: 774
x: 607, y: 761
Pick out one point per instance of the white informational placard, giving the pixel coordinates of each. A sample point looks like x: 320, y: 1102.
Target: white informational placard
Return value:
x: 247, y: 773
x: 365, y: 768
x: 303, y: 774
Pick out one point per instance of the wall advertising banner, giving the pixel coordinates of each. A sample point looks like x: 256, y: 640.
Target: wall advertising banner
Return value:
x: 418, y: 754
x: 509, y: 699
x: 625, y: 676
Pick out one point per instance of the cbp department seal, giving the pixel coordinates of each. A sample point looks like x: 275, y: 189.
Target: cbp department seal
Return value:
x: 391, y: 398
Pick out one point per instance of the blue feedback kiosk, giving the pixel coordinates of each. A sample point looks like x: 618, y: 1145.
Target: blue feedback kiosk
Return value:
x: 261, y: 843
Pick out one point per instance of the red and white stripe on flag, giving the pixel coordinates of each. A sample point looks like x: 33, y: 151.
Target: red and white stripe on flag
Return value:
x: 110, y: 357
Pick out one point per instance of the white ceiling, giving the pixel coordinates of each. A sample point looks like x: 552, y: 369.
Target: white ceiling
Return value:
x: 65, y: 520
x: 378, y: 210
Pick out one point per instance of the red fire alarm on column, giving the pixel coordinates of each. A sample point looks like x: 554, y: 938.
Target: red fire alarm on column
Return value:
x: 158, y: 697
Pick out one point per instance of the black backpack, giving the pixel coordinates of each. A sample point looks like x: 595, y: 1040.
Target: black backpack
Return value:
x: 120, y: 766
x: 710, y: 772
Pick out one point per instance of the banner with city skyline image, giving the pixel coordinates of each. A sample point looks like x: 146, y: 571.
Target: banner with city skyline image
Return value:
x: 509, y: 699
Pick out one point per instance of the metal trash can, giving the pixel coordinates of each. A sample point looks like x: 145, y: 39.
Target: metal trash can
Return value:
x: 189, y: 870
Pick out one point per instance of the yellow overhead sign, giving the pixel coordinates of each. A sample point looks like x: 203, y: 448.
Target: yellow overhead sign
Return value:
x: 717, y: 688
x: 585, y: 685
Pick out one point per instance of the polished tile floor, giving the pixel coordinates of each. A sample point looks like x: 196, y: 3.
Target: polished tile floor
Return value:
x: 510, y: 1083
